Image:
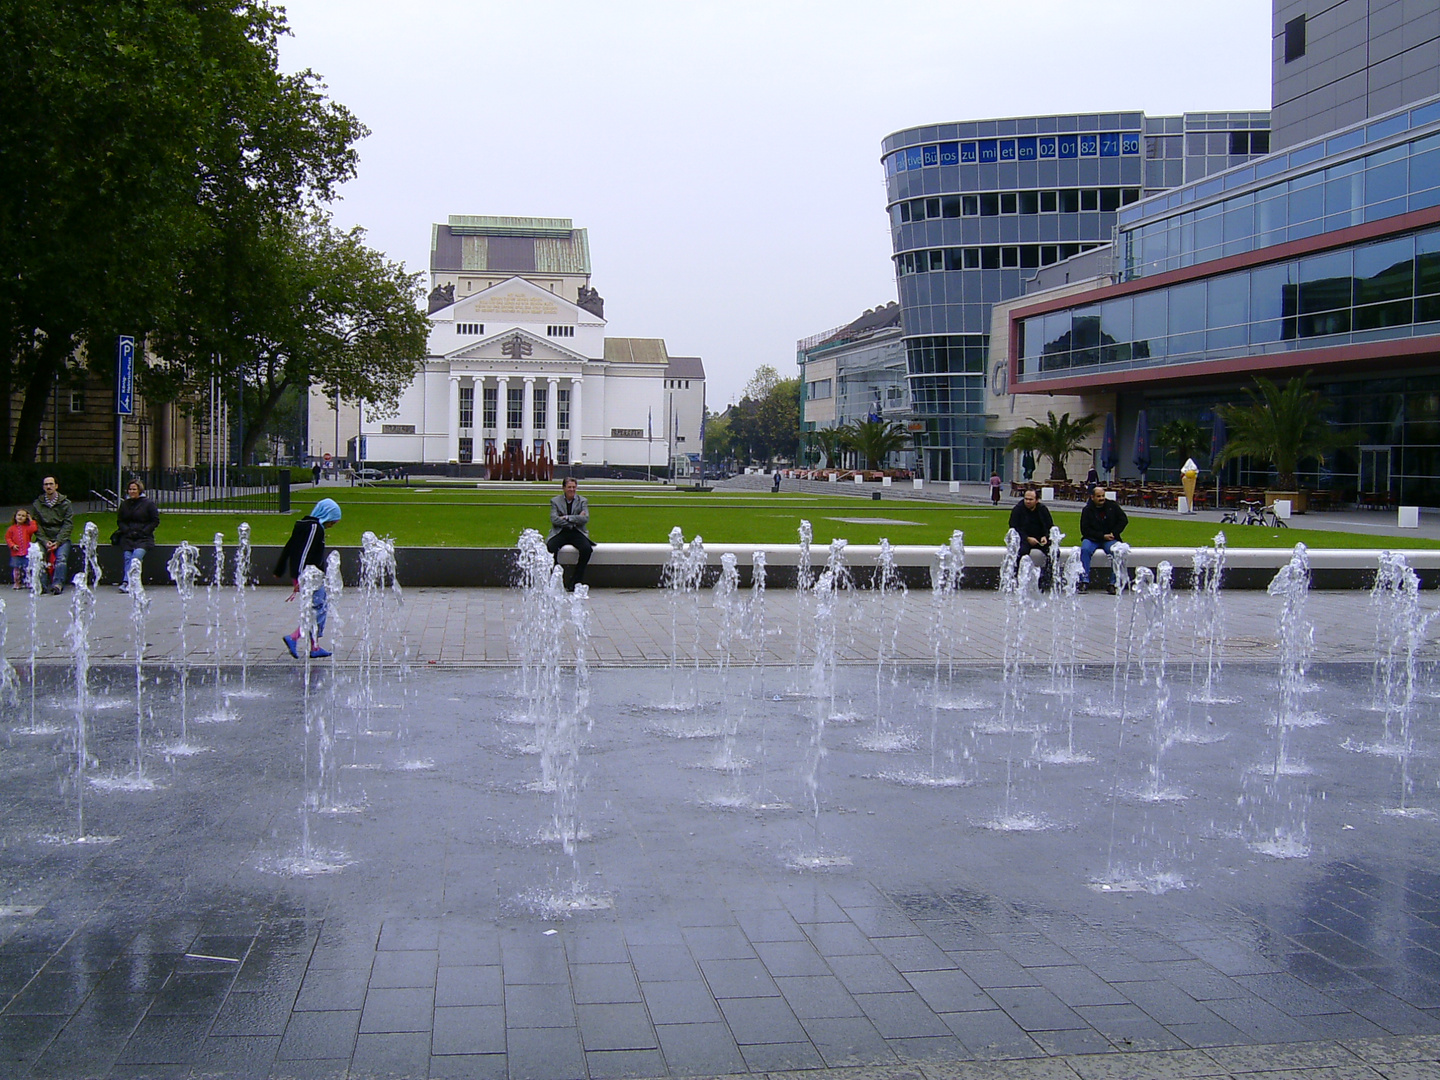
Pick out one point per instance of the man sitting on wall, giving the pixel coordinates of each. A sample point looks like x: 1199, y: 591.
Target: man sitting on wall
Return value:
x: 1101, y: 523
x: 1031, y: 519
x: 569, y: 527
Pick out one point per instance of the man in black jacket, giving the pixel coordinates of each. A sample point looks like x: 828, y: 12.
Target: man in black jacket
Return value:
x: 1101, y: 523
x: 1031, y: 519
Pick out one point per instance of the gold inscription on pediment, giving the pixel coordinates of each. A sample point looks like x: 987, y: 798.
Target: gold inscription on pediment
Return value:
x: 516, y: 303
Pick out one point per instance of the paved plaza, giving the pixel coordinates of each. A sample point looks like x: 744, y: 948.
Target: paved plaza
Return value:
x: 365, y: 877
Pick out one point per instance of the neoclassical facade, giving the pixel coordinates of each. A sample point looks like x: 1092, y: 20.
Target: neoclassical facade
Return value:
x: 518, y: 360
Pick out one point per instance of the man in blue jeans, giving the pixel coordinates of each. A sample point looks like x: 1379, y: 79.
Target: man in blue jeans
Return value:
x: 1101, y: 523
x: 56, y: 518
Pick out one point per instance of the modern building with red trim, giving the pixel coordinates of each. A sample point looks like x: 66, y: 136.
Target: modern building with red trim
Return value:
x: 1321, y: 258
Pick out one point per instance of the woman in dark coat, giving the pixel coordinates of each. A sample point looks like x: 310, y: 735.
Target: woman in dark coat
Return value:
x: 137, y: 517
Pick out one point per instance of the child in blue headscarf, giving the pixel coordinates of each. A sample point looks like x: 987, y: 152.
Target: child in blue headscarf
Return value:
x: 306, y: 547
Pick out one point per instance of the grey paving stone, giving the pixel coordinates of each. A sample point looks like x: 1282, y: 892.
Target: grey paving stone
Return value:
x: 663, y: 963
x: 404, y: 969
x: 949, y: 991
x: 544, y: 1054
x: 615, y: 1027
x: 901, y: 1016
x: 471, y: 985
x: 843, y: 938
x: 680, y: 1002
x: 991, y: 968
x: 1072, y: 1041
x: 783, y: 958
x: 914, y: 952
x: 812, y: 996
x: 769, y: 925
x: 391, y: 1055
x: 469, y: 1030
x: 868, y: 975
x: 738, y: 979
x: 1283, y: 1056
x: 775, y: 1057
x: 469, y: 1067
x: 399, y: 1009
x: 323, y: 1035
x: 992, y: 1034
x: 850, y: 1041
x: 761, y: 1020
x: 538, y: 1006
x: 1076, y: 985
x: 1036, y: 1009
x: 604, y: 983
x: 605, y: 1064
x: 699, y: 1049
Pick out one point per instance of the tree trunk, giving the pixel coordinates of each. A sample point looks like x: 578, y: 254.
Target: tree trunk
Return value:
x: 49, y: 359
x: 263, y: 412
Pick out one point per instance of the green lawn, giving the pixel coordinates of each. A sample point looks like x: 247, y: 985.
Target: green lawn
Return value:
x: 463, y: 517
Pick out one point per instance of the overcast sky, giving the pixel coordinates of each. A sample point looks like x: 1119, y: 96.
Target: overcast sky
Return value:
x: 724, y: 156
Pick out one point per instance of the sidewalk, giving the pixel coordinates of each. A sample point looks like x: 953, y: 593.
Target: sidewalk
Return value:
x: 633, y: 627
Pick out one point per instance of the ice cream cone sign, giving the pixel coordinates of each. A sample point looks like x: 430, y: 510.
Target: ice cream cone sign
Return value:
x: 1188, y: 472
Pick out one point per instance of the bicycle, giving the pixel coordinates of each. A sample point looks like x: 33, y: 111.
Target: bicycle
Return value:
x: 1256, y: 513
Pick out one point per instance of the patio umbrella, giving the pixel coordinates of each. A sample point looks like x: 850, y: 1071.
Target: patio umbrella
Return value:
x: 1027, y: 464
x: 1218, y: 438
x: 1142, y: 444
x: 1110, y: 448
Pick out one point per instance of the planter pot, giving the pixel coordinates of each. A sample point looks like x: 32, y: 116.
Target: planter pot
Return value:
x: 1299, y: 500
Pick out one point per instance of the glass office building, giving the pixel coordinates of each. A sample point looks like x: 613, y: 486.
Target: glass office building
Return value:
x: 978, y: 208
x: 1323, y: 258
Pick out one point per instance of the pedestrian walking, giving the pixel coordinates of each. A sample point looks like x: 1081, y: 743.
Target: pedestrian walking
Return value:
x: 306, y: 547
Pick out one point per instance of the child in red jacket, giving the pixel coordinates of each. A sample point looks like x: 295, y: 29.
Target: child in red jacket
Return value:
x: 17, y: 539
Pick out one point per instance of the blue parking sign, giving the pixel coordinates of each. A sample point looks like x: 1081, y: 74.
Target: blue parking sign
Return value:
x: 125, y: 376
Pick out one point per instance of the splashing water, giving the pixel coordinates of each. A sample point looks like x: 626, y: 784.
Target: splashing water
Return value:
x: 184, y: 569
x: 35, y: 583
x: 727, y: 602
x: 1285, y: 836
x: 241, y: 582
x: 890, y: 598
x: 82, y: 615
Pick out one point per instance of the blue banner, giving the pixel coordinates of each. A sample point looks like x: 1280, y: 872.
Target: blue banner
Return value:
x: 1068, y: 145
x: 949, y: 153
x: 1047, y: 147
x: 968, y: 154
x: 989, y: 152
x: 1110, y: 145
x: 125, y: 376
x: 1025, y: 149
x: 932, y: 155
x: 1089, y: 145
x: 1007, y: 149
x: 914, y: 157
x: 1129, y: 143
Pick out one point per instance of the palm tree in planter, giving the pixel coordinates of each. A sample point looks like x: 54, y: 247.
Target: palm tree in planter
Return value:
x: 875, y: 440
x: 1186, y: 437
x: 1055, y: 439
x: 829, y: 441
x: 1282, y: 426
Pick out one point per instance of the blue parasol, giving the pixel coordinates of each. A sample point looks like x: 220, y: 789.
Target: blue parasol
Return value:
x: 1218, y: 439
x: 1142, y: 444
x: 1110, y: 448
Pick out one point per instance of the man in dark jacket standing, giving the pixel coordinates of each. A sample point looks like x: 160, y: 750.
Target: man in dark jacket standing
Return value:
x: 306, y: 547
x: 56, y: 518
x: 1101, y: 523
x: 1031, y: 519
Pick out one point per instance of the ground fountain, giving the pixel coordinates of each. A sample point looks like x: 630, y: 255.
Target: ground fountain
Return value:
x: 889, y: 597
x: 184, y: 570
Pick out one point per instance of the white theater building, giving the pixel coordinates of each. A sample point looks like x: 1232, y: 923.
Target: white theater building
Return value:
x: 518, y: 357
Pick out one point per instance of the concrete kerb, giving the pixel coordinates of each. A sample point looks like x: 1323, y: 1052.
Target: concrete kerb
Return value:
x: 641, y: 566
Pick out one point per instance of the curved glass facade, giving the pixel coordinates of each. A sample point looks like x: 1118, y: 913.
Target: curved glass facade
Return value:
x: 977, y: 208
x: 1386, y: 289
x: 1376, y: 170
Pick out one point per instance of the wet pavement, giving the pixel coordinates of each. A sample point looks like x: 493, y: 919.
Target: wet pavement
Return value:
x: 363, y: 877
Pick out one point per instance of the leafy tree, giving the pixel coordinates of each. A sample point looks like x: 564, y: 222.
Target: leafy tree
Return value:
x: 316, y: 307
x: 1055, y: 439
x: 1186, y: 437
x: 1281, y: 426
x: 875, y: 440
x: 767, y: 426
x: 133, y: 138
x: 829, y: 441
